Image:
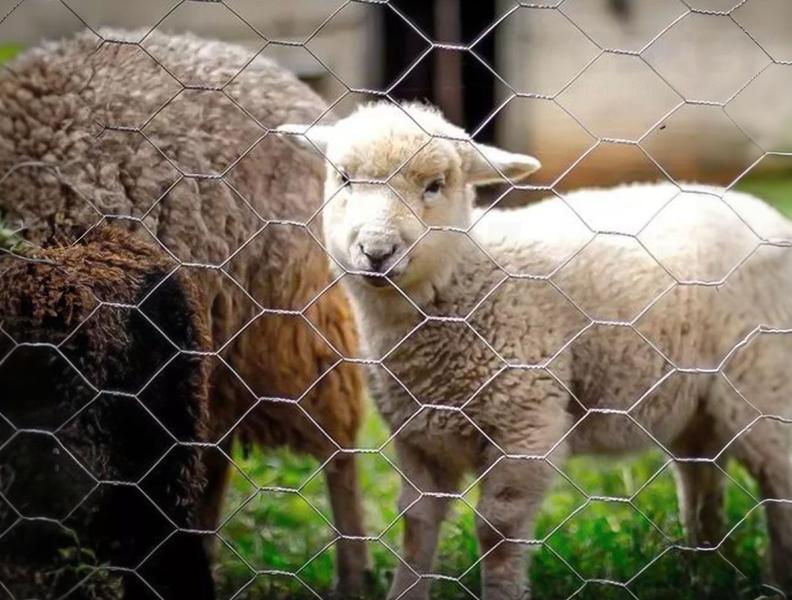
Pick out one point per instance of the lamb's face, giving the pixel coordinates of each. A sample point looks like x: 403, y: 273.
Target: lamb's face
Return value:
x: 385, y: 191
x: 392, y: 184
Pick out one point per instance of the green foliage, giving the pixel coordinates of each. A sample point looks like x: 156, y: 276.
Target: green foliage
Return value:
x: 9, y: 51
x: 775, y: 188
x: 11, y: 241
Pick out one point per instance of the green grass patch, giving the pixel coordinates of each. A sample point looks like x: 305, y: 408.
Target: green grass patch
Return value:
x: 584, y: 539
x: 9, y: 51
x: 775, y: 188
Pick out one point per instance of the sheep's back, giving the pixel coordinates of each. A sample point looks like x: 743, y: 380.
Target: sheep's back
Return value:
x: 93, y: 131
x: 89, y: 130
x: 683, y: 290
x: 65, y: 169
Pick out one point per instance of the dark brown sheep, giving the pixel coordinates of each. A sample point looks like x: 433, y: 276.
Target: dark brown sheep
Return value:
x: 102, y: 419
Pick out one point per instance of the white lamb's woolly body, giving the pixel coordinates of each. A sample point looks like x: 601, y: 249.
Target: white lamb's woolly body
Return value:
x: 566, y: 352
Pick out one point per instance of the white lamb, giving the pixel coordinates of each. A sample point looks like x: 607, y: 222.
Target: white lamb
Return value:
x: 536, y: 340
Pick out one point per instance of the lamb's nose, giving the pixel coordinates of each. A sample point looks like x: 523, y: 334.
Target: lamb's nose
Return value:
x: 377, y: 256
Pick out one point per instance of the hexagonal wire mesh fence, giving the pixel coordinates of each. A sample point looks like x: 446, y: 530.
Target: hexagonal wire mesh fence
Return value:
x: 597, y: 535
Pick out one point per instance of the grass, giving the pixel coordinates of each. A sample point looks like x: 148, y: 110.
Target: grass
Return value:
x: 603, y: 540
x: 583, y: 539
x: 775, y: 187
x: 9, y: 51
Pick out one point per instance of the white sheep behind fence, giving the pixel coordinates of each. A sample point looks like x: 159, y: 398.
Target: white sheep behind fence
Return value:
x: 661, y: 332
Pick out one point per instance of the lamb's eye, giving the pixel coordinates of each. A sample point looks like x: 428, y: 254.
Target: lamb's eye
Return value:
x: 434, y: 187
x: 344, y: 177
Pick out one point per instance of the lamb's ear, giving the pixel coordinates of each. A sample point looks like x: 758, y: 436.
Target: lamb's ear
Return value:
x: 304, y: 135
x: 488, y: 162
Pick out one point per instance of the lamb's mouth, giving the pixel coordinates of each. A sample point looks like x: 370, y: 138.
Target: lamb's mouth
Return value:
x: 376, y: 280
x: 381, y: 280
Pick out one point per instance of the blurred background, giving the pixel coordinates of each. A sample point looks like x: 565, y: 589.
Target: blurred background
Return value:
x: 602, y: 92
x: 533, y: 79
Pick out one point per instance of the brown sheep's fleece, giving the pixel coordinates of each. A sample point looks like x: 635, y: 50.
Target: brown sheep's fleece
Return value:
x: 94, y: 131
x: 73, y: 396
x: 61, y: 171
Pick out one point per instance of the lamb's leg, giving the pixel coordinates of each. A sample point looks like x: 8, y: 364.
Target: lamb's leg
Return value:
x: 511, y: 493
x: 352, y: 555
x: 422, y: 521
x: 700, y: 486
x: 764, y: 450
x: 700, y: 494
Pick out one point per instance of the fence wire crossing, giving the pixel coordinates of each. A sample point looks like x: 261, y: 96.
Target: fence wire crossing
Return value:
x: 239, y: 574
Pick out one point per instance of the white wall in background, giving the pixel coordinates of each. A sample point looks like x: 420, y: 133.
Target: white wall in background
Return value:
x: 701, y: 57
x: 539, y: 51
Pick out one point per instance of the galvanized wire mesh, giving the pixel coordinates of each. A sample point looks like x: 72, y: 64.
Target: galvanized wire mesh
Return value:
x: 729, y: 16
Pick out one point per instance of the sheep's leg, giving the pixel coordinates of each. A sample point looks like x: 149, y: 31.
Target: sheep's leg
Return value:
x: 511, y: 493
x: 423, y: 516
x: 764, y: 450
x: 352, y: 555
x: 700, y: 487
x: 700, y: 494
